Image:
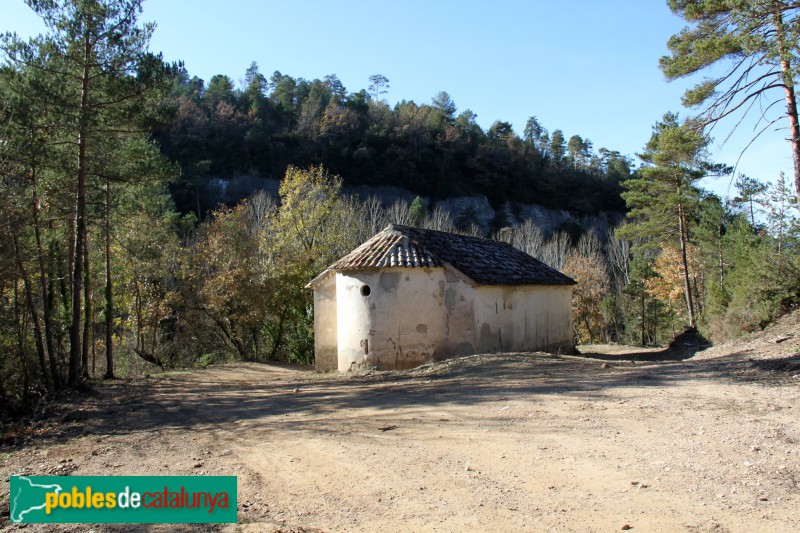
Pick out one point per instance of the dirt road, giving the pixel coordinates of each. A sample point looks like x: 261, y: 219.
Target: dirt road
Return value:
x: 514, y: 442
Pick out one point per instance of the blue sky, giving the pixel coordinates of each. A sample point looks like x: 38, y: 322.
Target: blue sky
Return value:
x: 585, y: 67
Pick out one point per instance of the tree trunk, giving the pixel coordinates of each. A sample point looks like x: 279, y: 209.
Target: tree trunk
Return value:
x: 87, y: 307
x: 46, y: 304
x: 149, y: 357
x: 278, y: 338
x: 644, y: 317
x: 687, y: 286
x: 197, y: 198
x: 75, y: 347
x: 109, y: 303
x: 794, y: 127
x: 37, y: 327
x: 62, y: 260
x: 791, y: 100
x: 21, y: 343
x: 780, y: 228
x: 671, y: 320
x: 655, y: 325
x: 58, y: 287
x: 94, y: 353
x: 719, y: 255
x: 4, y: 406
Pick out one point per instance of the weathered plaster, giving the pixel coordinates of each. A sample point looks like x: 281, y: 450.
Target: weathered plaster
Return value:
x: 326, y: 346
x: 524, y: 318
x: 411, y: 316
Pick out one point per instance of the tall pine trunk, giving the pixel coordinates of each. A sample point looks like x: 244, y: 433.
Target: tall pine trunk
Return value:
x: 87, y: 306
x: 781, y: 215
x: 46, y: 303
x: 794, y: 126
x: 75, y: 346
x: 109, y: 303
x: 4, y: 407
x: 687, y: 285
x: 37, y: 327
x: 21, y: 342
x: 791, y: 99
x: 644, y: 320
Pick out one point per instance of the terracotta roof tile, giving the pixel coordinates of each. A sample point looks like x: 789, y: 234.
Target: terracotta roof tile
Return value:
x: 485, y: 261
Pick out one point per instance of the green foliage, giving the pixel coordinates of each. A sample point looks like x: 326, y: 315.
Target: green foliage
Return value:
x: 751, y: 47
x: 500, y: 220
x: 557, y: 146
x: 261, y: 129
x: 759, y: 284
x: 78, y: 102
x: 417, y: 211
x: 663, y: 201
x: 537, y: 135
x: 573, y: 229
x: 445, y: 106
x: 378, y: 86
x: 781, y: 219
x: 219, y: 90
x: 742, y: 276
x: 701, y: 93
x: 580, y: 151
x: 750, y: 191
x: 663, y: 196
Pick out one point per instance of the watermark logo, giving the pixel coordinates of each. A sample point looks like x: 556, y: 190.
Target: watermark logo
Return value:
x: 123, y: 499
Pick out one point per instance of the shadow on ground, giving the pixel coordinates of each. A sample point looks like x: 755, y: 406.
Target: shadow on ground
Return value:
x: 682, y: 347
x: 263, y: 397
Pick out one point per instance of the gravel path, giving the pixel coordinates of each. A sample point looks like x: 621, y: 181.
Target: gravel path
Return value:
x: 509, y: 442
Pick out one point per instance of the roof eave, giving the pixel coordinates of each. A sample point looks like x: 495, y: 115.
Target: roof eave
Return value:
x: 319, y: 280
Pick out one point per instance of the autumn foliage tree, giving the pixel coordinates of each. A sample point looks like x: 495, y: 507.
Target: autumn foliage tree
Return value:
x: 243, y: 284
x: 588, y: 294
x: 313, y: 227
x: 667, y: 283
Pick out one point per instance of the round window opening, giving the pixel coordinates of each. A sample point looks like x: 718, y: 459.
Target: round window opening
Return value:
x: 365, y: 290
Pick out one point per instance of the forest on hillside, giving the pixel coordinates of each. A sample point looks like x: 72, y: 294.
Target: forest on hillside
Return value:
x: 114, y: 262
x: 221, y: 129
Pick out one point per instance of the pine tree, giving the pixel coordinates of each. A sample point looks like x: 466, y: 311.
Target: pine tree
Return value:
x: 664, y: 196
x: 96, y: 69
x: 756, y: 42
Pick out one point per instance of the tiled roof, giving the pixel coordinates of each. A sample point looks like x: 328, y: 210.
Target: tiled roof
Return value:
x: 485, y: 261
x: 389, y: 248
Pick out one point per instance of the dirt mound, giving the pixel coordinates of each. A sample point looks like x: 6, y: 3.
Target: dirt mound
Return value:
x: 779, y: 340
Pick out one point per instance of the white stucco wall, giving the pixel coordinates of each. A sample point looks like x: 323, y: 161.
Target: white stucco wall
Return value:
x: 326, y: 347
x: 411, y: 316
x: 524, y: 318
x: 415, y: 315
